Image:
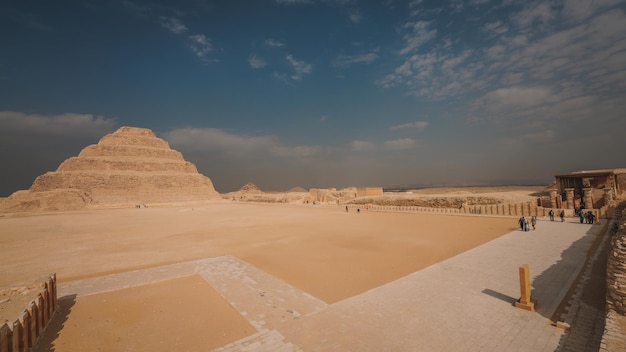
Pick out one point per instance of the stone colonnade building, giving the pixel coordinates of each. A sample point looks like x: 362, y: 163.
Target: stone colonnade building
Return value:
x: 593, y: 188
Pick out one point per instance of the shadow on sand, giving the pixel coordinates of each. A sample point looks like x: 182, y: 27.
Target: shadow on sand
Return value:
x: 499, y: 296
x: 53, y: 330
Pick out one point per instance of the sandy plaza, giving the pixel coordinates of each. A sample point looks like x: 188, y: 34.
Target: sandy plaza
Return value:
x: 265, y: 277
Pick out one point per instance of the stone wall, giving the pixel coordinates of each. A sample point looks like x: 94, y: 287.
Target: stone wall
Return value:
x: 22, y: 334
x: 614, y: 337
x: 616, y: 267
x: 369, y: 191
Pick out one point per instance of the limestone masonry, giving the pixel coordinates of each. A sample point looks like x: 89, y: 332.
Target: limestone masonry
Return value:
x: 130, y: 166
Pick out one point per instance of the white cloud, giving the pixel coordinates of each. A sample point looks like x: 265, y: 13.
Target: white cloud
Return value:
x: 516, y: 97
x: 419, y: 33
x: 256, y: 62
x: 282, y: 77
x: 274, y: 43
x: 200, y: 45
x: 582, y: 9
x: 400, y: 144
x: 417, y: 126
x: 172, y: 24
x: 69, y: 124
x: 300, y: 67
x: 535, y: 14
x: 495, y: 28
x: 345, y: 61
x: 213, y: 140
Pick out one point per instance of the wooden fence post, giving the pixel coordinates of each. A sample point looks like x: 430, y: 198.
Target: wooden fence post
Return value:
x: 5, y: 338
x: 525, y: 301
x: 18, y: 335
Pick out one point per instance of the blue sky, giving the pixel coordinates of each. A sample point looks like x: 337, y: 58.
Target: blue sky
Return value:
x: 320, y: 93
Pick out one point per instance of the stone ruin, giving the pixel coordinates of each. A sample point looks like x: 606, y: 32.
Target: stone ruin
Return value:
x: 131, y: 166
x: 250, y: 188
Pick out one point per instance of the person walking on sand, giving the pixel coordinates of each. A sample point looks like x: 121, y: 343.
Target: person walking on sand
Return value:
x: 533, y: 221
x: 551, y: 214
x: 346, y: 208
x: 521, y: 223
x: 562, y: 215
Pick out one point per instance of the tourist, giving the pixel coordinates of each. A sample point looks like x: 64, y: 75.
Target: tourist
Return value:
x: 590, y: 216
x: 521, y: 223
x: 346, y: 208
x: 533, y: 221
x: 551, y: 214
x: 582, y: 217
x: 562, y: 215
x: 358, y: 210
x: 525, y: 224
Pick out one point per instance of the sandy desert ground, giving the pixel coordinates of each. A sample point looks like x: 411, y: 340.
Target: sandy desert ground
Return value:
x: 323, y: 251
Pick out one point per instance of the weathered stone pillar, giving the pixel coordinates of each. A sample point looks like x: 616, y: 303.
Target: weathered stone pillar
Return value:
x: 553, y: 204
x: 524, y: 282
x: 588, y: 198
x: 569, y: 196
x: 608, y: 195
x: 526, y: 209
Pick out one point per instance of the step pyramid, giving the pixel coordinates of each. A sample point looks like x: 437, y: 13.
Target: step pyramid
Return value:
x: 128, y: 167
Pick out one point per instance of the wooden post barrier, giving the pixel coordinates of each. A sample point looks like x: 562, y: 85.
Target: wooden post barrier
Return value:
x: 525, y: 302
x: 5, y: 338
x: 18, y: 336
x: 32, y: 324
x: 40, y: 322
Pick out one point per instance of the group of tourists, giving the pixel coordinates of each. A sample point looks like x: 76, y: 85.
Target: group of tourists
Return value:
x: 587, y: 218
x: 561, y: 215
x: 523, y: 223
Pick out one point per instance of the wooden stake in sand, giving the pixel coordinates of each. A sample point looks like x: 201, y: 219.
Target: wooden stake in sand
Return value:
x: 525, y: 301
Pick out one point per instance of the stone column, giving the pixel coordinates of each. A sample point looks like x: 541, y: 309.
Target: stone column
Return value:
x: 569, y: 195
x: 587, y: 198
x: 608, y: 195
x: 553, y: 204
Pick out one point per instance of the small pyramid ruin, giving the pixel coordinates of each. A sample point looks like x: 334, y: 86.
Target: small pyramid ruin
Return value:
x: 127, y: 167
x: 250, y: 188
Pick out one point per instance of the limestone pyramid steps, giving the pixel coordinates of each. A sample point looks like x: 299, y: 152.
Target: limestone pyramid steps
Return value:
x: 126, y: 151
x: 129, y: 166
x: 126, y: 164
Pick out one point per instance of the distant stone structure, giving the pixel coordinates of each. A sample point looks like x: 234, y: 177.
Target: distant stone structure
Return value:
x: 128, y: 167
x: 250, y: 188
x: 593, y: 188
x: 369, y: 191
x: 329, y: 195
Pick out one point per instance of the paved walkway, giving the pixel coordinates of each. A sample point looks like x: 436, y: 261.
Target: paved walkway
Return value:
x: 462, y: 304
